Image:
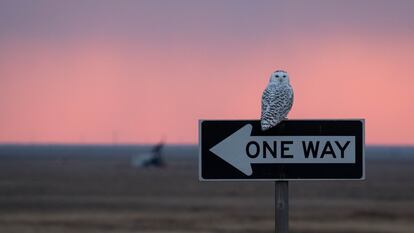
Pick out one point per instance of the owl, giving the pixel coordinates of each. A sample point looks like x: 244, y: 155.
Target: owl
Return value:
x: 277, y: 100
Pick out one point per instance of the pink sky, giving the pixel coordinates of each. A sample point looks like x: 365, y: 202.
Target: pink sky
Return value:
x: 71, y: 85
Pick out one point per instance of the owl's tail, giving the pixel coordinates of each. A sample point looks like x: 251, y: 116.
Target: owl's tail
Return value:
x: 265, y: 125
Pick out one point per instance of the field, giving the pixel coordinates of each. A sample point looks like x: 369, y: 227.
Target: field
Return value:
x: 67, y: 190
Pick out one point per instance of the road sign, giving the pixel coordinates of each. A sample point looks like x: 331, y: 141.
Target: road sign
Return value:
x: 293, y: 150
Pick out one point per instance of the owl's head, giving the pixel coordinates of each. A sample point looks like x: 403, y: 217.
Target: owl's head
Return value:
x: 279, y: 77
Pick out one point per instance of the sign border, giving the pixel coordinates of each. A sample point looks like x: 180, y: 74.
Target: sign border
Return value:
x: 200, y: 178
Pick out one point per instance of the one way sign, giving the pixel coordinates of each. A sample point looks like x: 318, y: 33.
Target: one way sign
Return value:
x: 293, y: 150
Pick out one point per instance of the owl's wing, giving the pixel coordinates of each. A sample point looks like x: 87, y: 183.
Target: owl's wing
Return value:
x: 269, y: 111
x: 267, y: 98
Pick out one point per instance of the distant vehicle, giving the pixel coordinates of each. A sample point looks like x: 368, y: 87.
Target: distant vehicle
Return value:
x: 151, y: 159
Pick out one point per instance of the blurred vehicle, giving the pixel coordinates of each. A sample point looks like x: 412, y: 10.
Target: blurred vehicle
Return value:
x: 150, y: 159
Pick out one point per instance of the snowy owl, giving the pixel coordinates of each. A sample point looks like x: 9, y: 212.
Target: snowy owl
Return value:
x: 277, y: 100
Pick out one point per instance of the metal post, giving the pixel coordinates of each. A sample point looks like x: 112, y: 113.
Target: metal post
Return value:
x: 281, y: 207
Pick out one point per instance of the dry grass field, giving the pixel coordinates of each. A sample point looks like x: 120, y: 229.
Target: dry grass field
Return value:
x: 87, y: 194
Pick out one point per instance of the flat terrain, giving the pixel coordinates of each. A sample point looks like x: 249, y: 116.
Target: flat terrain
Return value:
x: 83, y: 193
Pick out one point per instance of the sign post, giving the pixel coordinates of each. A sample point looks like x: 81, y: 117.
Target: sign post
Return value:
x: 281, y: 206
x: 238, y: 150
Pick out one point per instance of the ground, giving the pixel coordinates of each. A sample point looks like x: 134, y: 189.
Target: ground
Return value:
x: 81, y: 194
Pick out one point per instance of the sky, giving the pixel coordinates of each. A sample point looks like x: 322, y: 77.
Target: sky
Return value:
x: 100, y: 71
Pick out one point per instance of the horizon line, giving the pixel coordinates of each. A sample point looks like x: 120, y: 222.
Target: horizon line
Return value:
x: 151, y: 144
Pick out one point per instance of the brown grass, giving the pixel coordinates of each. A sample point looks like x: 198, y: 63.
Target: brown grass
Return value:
x: 90, y: 196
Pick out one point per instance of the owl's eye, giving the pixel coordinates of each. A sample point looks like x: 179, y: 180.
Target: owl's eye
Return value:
x: 284, y: 76
x: 277, y: 76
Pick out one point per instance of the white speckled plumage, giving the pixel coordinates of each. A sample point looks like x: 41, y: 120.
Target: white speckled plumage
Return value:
x: 277, y: 100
